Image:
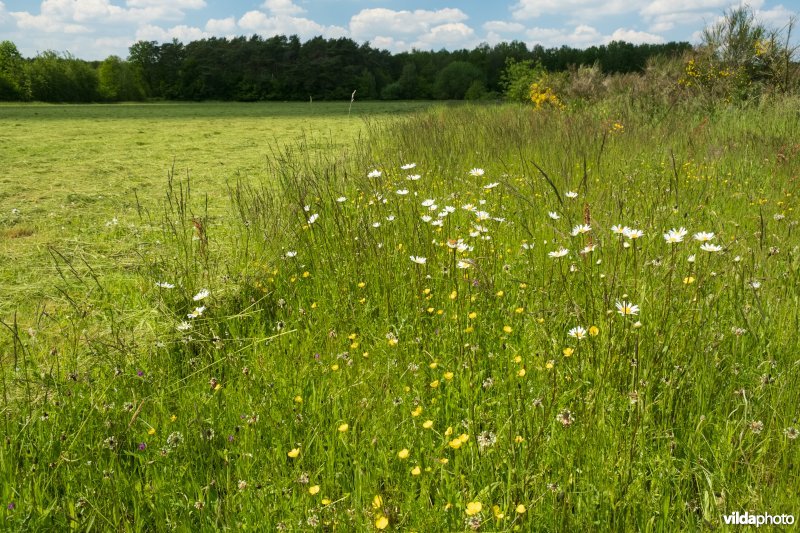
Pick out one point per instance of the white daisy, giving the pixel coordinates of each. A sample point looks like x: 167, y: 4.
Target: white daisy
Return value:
x: 477, y: 172
x: 561, y: 252
x: 418, y: 259
x: 201, y: 295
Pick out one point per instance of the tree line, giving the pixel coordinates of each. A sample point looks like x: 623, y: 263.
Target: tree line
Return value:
x: 284, y: 68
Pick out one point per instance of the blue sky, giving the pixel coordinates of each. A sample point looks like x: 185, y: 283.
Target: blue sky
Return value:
x: 95, y: 29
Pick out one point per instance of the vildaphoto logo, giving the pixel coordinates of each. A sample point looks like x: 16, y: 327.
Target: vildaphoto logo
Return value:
x: 758, y: 520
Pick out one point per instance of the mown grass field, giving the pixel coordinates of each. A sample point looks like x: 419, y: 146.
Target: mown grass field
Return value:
x: 475, y: 318
x: 67, y: 170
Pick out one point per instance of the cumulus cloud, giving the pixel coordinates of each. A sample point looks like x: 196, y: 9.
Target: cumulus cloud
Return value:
x: 580, y: 36
x: 181, y: 32
x: 379, y: 21
x: 576, y: 9
x: 282, y: 7
x: 221, y: 26
x: 635, y: 37
x: 500, y: 26
x: 452, y: 35
x: 263, y: 24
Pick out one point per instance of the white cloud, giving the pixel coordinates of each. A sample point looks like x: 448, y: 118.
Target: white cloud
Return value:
x: 181, y: 32
x: 371, y: 22
x: 263, y: 24
x: 635, y: 37
x: 283, y: 7
x: 576, y: 9
x: 500, y: 26
x: 452, y: 35
x: 580, y: 36
x: 221, y: 26
x: 177, y: 4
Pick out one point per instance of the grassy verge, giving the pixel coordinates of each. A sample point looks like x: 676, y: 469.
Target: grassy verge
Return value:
x: 477, y: 318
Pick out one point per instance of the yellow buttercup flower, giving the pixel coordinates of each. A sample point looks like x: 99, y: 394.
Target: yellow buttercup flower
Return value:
x: 313, y: 490
x: 507, y: 329
x: 594, y: 331
x: 474, y: 508
x: 293, y: 453
x: 521, y: 509
x: 568, y: 351
x: 381, y: 522
x: 455, y: 443
x: 416, y: 471
x: 428, y: 424
x: 377, y: 502
x: 403, y: 454
x: 434, y: 383
x: 343, y: 428
x: 417, y: 411
x: 448, y: 376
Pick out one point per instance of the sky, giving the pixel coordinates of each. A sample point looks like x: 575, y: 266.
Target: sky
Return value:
x: 95, y: 29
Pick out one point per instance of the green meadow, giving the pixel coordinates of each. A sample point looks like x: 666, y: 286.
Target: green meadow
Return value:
x: 408, y: 317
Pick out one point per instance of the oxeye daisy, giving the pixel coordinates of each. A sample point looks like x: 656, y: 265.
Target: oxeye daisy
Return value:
x: 619, y: 230
x: 708, y: 247
x: 401, y: 192
x: 476, y: 172
x: 577, y: 332
x: 703, y: 236
x: 675, y: 236
x: 374, y: 174
x: 571, y: 194
x: 201, y: 295
x: 413, y: 177
x: 164, y: 285
x: 561, y: 252
x: 580, y: 229
x: 313, y: 218
x: 408, y: 166
x: 491, y: 185
x: 626, y: 308
x: 418, y: 259
x: 553, y: 215
x: 632, y: 233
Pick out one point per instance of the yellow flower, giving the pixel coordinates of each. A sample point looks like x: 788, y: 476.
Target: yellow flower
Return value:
x: 568, y: 351
x: 472, y: 315
x: 433, y: 365
x: 500, y: 294
x: 403, y: 454
x: 549, y: 364
x: 313, y: 490
x: 377, y: 502
x: 426, y: 291
x: 417, y: 411
x: 326, y: 501
x: 428, y: 424
x: 594, y: 331
x: 454, y: 295
x: 343, y: 428
x: 381, y: 522
x: 173, y: 418
x: 434, y: 383
x: 151, y: 431
x: 521, y: 509
x: 519, y: 310
x: 518, y: 439
x: 334, y: 367
x: 507, y: 329
x: 448, y: 376
x: 540, y: 320
x: 455, y: 443
x: 448, y: 432
x: 518, y: 359
x: 392, y: 342
x: 474, y: 508
x: 469, y: 329
x: 361, y: 285
x: 463, y: 437
x: 688, y: 280
x: 521, y: 373
x: 498, y: 514
x: 294, y: 452
x: 352, y: 336
x: 306, y: 274
x: 430, y: 310
x: 416, y: 471
x: 298, y: 399
x: 444, y: 460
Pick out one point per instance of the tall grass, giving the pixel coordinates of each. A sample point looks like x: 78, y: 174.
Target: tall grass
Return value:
x: 334, y: 380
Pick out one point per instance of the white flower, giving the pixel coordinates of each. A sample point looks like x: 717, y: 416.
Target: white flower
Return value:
x: 737, y: 259
x: 482, y: 215
x: 577, y: 332
x: 477, y: 172
x: 632, y: 233
x: 491, y: 185
x: 450, y: 209
x: 588, y: 249
x: 571, y: 194
x: 426, y: 218
x: 626, y: 308
x: 617, y: 229
x: 418, y: 259
x: 402, y: 192
x: 711, y: 248
x: 675, y: 236
x: 341, y: 199
x: 755, y: 284
x: 690, y: 258
x: 306, y: 208
x: 499, y: 219
x: 581, y: 229
x: 561, y: 252
x: 437, y: 222
x: 442, y: 213
x: 703, y: 236
x: 313, y: 218
x: 201, y: 295
x: 374, y: 174
x: 197, y: 312
x: 429, y: 202
x: 164, y: 285
x: 526, y: 246
x: 390, y: 218
x: 376, y: 224
x: 553, y: 215
x: 291, y: 253
x: 413, y: 177
x: 464, y: 263
x: 408, y: 166
x: 468, y: 207
x: 183, y: 326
